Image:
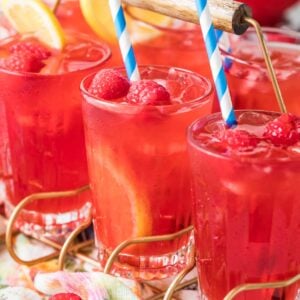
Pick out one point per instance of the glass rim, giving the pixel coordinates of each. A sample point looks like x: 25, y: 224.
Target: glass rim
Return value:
x: 94, y: 100
x: 267, y: 30
x: 104, y: 46
x: 237, y: 158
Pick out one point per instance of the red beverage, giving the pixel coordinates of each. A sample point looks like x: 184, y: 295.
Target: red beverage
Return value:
x: 248, y: 79
x: 5, y: 31
x: 161, y: 40
x: 70, y: 16
x: 138, y: 170
x: 246, y: 202
x: 45, y: 132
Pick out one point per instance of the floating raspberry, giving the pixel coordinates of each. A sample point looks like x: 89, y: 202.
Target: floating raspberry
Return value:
x: 65, y: 296
x: 34, y: 48
x: 148, y: 92
x: 109, y: 84
x: 239, y: 139
x: 283, y: 131
x: 22, y: 62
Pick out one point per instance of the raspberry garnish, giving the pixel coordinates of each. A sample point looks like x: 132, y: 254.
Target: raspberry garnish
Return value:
x: 35, y: 49
x: 283, y: 131
x: 238, y: 139
x: 22, y: 62
x: 109, y: 84
x: 65, y: 296
x: 148, y: 92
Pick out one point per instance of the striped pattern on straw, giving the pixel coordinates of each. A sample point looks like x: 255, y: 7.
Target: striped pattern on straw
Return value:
x: 223, y: 39
x: 124, y: 40
x: 215, y: 61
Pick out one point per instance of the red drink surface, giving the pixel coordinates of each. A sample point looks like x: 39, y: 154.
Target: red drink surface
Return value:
x: 44, y: 126
x: 247, y: 208
x: 180, y: 45
x: 70, y: 17
x: 138, y: 169
x: 168, y: 42
x: 248, y: 78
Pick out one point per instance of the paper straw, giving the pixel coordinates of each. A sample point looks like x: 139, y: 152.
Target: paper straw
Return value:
x: 215, y: 62
x: 223, y: 39
x: 124, y: 40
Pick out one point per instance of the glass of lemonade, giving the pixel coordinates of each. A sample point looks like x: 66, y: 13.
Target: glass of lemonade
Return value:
x: 250, y: 85
x: 162, y: 40
x: 45, y: 131
x: 246, y: 204
x: 139, y: 173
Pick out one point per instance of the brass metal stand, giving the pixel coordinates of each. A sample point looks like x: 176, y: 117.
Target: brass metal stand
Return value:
x: 259, y: 286
x: 268, y: 62
x: 73, y: 249
x: 10, y: 225
x: 141, y: 240
x: 67, y: 245
x: 174, y: 285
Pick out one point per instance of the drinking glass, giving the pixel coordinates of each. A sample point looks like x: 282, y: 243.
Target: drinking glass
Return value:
x: 247, y: 76
x: 246, y: 210
x: 139, y: 173
x: 44, y: 137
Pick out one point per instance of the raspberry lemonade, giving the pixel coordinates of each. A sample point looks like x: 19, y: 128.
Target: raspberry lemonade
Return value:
x: 248, y: 78
x: 246, y: 202
x: 163, y: 40
x: 40, y: 91
x: 157, y: 39
x: 135, y: 139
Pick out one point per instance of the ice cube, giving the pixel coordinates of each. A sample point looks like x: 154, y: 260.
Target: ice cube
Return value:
x: 295, y: 149
x: 214, y: 127
x: 255, y: 118
x: 184, y: 86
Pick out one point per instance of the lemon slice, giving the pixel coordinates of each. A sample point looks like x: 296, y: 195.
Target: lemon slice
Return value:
x: 36, y: 18
x: 149, y: 17
x: 97, y: 15
x: 123, y: 198
x: 144, y: 25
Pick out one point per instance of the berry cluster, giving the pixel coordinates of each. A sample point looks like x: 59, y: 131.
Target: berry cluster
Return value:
x: 65, y: 296
x: 26, y: 56
x: 110, y: 84
x: 283, y: 131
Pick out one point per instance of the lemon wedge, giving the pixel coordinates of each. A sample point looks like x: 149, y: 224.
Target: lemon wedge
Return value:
x: 97, y: 15
x: 141, y: 23
x: 36, y: 18
x: 144, y: 25
x: 149, y: 17
x: 122, y: 198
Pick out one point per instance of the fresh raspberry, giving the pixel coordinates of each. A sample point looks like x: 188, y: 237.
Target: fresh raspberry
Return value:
x: 148, y: 92
x: 35, y: 49
x: 109, y: 84
x: 238, y: 139
x: 65, y: 296
x: 283, y: 131
x: 22, y: 62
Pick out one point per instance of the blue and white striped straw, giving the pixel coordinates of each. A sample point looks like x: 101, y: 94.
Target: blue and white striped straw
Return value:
x: 215, y: 61
x: 223, y: 39
x: 124, y: 40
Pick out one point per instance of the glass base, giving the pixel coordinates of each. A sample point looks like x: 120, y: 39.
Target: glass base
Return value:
x: 52, y: 226
x: 149, y: 267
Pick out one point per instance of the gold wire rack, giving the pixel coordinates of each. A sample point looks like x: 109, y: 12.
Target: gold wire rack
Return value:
x: 76, y: 249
